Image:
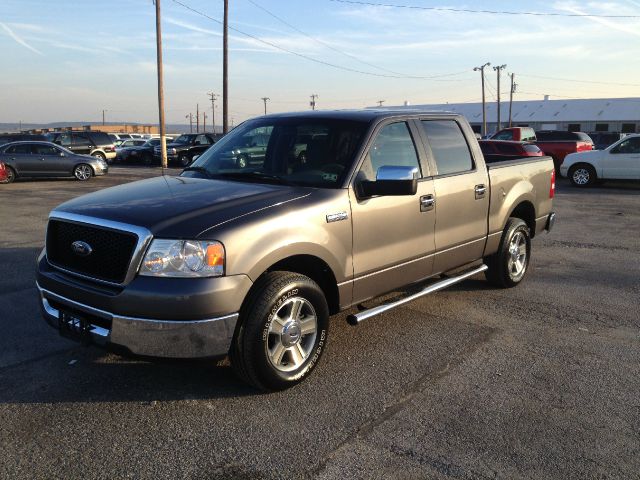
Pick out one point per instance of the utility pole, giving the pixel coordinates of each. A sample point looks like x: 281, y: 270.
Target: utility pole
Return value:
x: 103, y: 110
x: 265, y: 99
x: 204, y: 122
x: 380, y: 102
x: 313, y: 101
x: 484, y: 104
x: 513, y: 90
x: 163, y: 140
x: 225, y: 71
x: 498, y: 69
x: 190, y: 117
x: 197, y: 118
x: 213, y: 97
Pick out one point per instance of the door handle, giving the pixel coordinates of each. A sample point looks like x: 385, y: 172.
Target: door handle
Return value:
x: 42, y: 159
x: 427, y: 202
x: 480, y: 191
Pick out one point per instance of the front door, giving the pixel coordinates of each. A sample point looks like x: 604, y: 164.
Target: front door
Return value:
x: 461, y: 194
x: 623, y: 160
x: 393, y: 237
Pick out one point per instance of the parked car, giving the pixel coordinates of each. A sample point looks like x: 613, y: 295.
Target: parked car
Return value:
x: 602, y: 140
x: 620, y: 161
x: 516, y: 134
x: 46, y: 159
x: 96, y: 144
x: 4, y: 173
x: 134, y: 142
x: 252, y: 261
x: 141, y: 153
x: 498, y: 150
x: 183, y: 148
x: 17, y: 137
x: 555, y: 143
x: 117, y: 137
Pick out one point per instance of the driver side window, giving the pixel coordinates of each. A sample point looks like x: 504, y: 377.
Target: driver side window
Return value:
x: 631, y: 145
x: 393, y: 147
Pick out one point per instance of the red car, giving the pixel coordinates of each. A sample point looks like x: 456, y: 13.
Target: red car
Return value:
x: 497, y: 150
x: 4, y: 173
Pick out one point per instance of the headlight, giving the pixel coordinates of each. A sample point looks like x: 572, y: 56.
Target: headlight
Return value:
x: 183, y: 258
x: 173, y: 151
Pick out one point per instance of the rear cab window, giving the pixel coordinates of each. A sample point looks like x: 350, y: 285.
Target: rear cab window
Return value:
x: 448, y: 146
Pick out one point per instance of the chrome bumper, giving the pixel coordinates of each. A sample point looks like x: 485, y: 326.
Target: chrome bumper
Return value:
x: 142, y: 336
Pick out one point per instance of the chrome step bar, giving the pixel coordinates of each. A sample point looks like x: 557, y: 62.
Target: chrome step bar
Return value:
x: 355, y: 319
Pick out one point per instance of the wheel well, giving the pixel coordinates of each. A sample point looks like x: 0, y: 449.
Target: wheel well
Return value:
x: 317, y: 270
x: 525, y: 211
x: 582, y: 164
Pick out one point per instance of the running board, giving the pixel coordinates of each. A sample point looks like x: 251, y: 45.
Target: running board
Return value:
x: 355, y: 319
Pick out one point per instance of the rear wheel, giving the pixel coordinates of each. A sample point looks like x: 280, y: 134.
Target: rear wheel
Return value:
x: 282, y: 331
x: 82, y: 172
x: 509, y: 265
x: 582, y: 175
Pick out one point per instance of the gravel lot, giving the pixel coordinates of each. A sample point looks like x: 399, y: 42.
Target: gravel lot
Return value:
x: 540, y: 381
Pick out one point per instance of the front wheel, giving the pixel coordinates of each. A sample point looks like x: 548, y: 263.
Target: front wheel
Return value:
x: 508, y: 266
x: 282, y: 331
x: 582, y: 175
x: 184, y: 160
x: 82, y: 172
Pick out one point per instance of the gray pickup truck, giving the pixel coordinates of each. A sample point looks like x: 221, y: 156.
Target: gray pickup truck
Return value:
x: 251, y: 260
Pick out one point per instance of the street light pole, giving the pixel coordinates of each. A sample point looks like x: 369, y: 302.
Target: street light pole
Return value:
x: 265, y: 99
x: 225, y: 71
x: 484, y: 105
x: 213, y: 97
x: 498, y: 69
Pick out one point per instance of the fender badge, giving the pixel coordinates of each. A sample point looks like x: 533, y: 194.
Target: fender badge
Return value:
x: 336, y: 217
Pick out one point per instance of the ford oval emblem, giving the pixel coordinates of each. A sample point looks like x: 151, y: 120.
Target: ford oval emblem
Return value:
x: 81, y: 248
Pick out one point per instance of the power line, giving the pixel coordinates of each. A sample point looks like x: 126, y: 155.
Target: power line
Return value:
x: 492, y: 12
x: 315, y: 60
x: 581, y: 81
x: 330, y: 47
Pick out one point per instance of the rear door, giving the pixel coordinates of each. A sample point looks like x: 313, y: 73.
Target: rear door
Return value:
x: 80, y: 144
x: 623, y: 160
x: 19, y: 156
x: 461, y: 194
x: 393, y: 236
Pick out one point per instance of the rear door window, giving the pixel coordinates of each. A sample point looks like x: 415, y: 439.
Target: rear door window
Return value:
x: 80, y: 140
x: 39, y: 149
x: 22, y: 149
x: 448, y: 146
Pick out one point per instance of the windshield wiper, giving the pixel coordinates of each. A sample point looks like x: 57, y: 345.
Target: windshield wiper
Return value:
x: 254, y: 175
x: 199, y: 170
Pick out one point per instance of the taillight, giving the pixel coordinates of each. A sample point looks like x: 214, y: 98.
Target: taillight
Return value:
x: 584, y: 146
x: 552, y: 190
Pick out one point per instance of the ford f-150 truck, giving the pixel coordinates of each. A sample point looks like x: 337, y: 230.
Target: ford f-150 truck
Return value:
x: 251, y: 261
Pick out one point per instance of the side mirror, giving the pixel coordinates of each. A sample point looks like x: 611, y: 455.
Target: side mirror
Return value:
x: 391, y: 181
x: 194, y: 158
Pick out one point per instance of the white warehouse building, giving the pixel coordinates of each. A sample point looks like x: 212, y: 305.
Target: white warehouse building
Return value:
x: 576, y: 115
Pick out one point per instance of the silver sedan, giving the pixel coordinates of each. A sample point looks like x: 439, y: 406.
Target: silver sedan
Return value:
x: 46, y: 159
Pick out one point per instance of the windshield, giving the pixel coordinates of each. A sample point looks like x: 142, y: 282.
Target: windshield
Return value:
x: 295, y: 151
x: 183, y: 139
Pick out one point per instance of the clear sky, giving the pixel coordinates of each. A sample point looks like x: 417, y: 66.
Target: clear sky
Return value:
x: 67, y: 60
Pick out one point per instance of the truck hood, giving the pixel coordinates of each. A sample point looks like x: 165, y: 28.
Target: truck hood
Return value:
x: 180, y: 207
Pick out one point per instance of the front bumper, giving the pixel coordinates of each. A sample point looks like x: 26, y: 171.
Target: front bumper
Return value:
x: 143, y: 336
x: 159, y: 317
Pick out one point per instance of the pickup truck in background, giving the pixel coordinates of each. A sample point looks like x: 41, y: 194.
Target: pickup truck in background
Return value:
x: 251, y: 261
x: 555, y: 143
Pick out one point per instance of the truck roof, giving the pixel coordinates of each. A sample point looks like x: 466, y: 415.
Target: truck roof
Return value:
x: 363, y: 115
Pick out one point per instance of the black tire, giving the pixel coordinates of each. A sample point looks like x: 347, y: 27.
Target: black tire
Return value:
x: 582, y: 175
x: 83, y: 172
x: 184, y: 160
x: 11, y: 174
x: 242, y: 161
x: 506, y: 267
x: 254, y: 341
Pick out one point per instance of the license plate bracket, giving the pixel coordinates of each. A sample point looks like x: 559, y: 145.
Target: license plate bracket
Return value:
x: 74, y: 326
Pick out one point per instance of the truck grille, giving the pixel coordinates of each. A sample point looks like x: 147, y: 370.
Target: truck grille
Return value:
x: 111, y: 250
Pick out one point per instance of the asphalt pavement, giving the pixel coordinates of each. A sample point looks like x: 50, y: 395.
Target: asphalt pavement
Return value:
x: 540, y: 381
